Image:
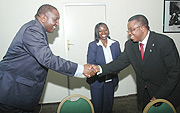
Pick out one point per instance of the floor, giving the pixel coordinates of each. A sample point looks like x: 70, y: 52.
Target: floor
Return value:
x: 125, y: 104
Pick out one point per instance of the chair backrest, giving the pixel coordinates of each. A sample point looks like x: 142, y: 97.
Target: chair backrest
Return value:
x: 165, y: 107
x: 80, y: 105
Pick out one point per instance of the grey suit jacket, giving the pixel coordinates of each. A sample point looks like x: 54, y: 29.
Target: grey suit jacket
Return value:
x: 24, y: 68
x: 159, y: 70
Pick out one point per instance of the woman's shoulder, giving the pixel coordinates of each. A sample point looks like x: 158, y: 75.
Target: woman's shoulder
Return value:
x: 113, y: 41
x: 93, y: 43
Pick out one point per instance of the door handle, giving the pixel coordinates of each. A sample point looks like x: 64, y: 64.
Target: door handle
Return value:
x: 69, y: 44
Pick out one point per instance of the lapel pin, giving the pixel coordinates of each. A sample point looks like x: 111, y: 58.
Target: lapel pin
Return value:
x: 150, y: 50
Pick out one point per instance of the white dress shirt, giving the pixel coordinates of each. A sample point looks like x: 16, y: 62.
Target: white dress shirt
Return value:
x: 144, y: 41
x: 107, y: 52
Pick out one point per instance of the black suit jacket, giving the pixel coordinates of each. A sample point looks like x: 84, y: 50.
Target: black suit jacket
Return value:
x: 159, y: 70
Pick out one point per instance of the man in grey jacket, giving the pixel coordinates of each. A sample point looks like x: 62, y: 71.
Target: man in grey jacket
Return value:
x: 24, y: 68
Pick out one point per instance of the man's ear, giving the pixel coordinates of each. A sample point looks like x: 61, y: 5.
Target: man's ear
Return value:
x: 43, y: 18
x: 143, y: 28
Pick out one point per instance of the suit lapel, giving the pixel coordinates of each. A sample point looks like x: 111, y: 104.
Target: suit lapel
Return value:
x: 137, y: 52
x: 149, y: 48
x: 101, y: 54
x: 113, y: 53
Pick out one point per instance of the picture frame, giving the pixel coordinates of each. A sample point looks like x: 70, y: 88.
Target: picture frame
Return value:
x: 171, y: 21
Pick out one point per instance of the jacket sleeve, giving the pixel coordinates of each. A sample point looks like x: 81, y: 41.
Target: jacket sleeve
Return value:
x: 36, y: 44
x: 172, y: 64
x: 91, y: 55
x: 118, y: 49
x: 116, y: 65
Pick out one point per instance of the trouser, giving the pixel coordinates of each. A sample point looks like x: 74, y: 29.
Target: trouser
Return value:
x: 102, y: 98
x: 8, y: 109
x: 146, y: 98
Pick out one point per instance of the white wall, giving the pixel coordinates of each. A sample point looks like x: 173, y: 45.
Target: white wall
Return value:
x: 14, y: 13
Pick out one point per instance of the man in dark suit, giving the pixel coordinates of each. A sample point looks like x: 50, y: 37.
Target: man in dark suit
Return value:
x: 24, y: 68
x: 157, y: 70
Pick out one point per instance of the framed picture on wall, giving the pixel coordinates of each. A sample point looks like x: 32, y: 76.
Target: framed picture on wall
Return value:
x: 171, y: 23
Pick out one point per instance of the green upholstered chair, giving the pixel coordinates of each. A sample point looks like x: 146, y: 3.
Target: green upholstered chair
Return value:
x: 165, y: 107
x: 75, y: 104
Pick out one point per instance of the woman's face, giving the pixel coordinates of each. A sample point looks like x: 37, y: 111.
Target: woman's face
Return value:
x: 103, y: 32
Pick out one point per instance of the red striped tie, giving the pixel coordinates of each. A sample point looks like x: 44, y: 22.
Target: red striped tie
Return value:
x: 142, y: 50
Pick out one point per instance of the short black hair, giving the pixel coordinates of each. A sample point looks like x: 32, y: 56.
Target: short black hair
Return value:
x: 140, y: 18
x: 97, y: 31
x: 44, y: 9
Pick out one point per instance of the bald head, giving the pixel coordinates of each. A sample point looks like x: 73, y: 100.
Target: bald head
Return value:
x: 44, y: 9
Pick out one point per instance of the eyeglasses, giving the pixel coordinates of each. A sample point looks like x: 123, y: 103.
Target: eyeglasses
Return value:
x: 131, y: 30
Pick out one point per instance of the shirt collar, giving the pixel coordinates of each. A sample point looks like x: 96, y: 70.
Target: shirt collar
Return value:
x: 145, y: 39
x: 109, y: 42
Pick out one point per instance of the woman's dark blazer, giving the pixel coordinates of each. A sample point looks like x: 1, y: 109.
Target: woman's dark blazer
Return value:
x: 96, y: 56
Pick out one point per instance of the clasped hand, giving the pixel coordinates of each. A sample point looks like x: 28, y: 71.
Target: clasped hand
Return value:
x: 90, y: 70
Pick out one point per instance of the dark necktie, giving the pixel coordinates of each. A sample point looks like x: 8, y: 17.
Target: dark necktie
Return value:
x: 142, y: 50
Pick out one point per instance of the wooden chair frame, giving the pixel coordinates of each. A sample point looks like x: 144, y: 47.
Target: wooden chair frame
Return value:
x: 75, y: 95
x: 150, y: 104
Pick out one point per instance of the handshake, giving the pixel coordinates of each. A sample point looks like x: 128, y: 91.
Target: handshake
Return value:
x: 90, y: 70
